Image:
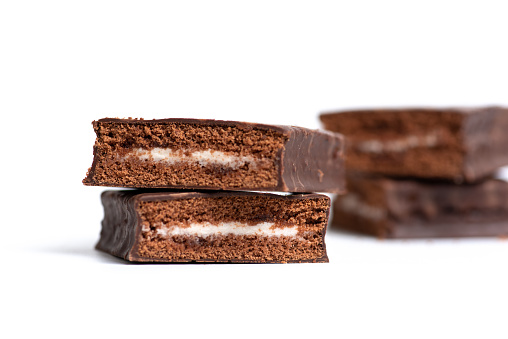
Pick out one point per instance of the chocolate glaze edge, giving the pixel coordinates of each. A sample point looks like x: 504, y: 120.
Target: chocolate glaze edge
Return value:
x: 304, y: 168
x: 429, y: 109
x: 118, y: 226
x: 484, y: 141
x: 211, y: 122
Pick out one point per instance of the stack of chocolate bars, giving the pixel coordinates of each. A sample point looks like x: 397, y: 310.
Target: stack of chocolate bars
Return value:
x: 193, y: 198
x: 423, y: 173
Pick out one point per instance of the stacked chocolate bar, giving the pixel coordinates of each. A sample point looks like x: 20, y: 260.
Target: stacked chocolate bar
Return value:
x: 422, y: 173
x: 190, y: 201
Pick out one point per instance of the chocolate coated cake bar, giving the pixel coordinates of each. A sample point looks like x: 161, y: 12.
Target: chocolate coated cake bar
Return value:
x: 229, y: 227
x: 455, y: 144
x: 390, y: 208
x: 211, y: 154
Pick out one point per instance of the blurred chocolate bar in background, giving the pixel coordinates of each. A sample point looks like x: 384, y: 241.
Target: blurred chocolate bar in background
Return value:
x: 460, y: 144
x: 422, y: 172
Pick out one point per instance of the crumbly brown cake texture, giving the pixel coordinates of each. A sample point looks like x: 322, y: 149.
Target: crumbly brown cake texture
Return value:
x: 459, y: 144
x: 398, y: 208
x: 207, y: 227
x: 217, y: 155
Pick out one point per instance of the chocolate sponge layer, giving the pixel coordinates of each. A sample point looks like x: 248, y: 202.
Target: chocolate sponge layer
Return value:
x: 234, y: 227
x: 211, y: 154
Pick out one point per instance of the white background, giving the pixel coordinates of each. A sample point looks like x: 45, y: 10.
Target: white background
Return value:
x: 64, y: 64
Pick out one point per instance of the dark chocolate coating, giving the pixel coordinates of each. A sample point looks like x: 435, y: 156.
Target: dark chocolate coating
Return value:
x: 310, y: 160
x: 121, y: 226
x: 423, y: 209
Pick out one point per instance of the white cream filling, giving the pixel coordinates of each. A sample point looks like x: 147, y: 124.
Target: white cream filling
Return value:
x: 207, y: 229
x: 203, y: 158
x: 398, y: 145
x: 351, y: 203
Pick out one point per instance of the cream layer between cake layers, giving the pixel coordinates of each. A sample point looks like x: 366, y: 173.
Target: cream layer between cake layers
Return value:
x: 399, y: 144
x: 352, y: 203
x: 206, y: 229
x: 203, y: 158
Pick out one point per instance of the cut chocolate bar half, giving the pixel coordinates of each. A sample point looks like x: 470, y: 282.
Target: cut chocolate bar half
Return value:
x: 222, y: 227
x: 390, y: 208
x: 460, y: 144
x: 211, y: 154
